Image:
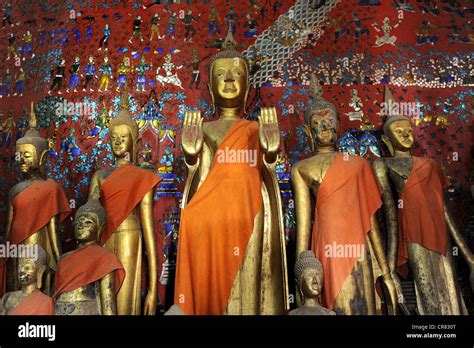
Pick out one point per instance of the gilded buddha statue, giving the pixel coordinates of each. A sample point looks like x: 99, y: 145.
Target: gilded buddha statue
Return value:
x: 88, y: 278
x: 231, y: 248
x: 126, y: 192
x: 345, y: 235
x: 419, y: 231
x: 29, y: 300
x: 309, y: 282
x: 36, y: 207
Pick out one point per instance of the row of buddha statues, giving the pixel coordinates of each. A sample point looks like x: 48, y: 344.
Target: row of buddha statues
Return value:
x: 231, y: 248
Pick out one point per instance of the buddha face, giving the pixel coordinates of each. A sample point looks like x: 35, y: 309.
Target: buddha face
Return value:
x: 26, y: 271
x: 323, y: 126
x: 401, y: 135
x: 121, y: 141
x: 86, y: 228
x: 229, y: 82
x: 311, y: 282
x: 28, y: 158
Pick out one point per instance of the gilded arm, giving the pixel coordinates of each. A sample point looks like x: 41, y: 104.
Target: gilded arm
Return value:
x: 390, y: 214
x: 379, y: 253
x: 146, y: 213
x: 53, y: 231
x: 9, y: 220
x: 107, y: 294
x: 457, y: 237
x: 303, y: 211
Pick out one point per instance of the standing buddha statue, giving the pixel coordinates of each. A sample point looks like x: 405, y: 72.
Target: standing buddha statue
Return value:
x: 126, y: 192
x: 346, y: 197
x: 36, y: 207
x: 419, y: 230
x: 231, y: 248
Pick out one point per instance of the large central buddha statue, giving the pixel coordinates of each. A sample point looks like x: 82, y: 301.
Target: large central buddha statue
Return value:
x: 231, y: 251
x: 126, y: 192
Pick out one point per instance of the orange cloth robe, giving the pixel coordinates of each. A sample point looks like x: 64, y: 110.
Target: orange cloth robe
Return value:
x: 121, y: 192
x: 421, y: 218
x: 346, y: 200
x: 87, y: 265
x: 33, y: 208
x: 35, y: 303
x: 216, y: 226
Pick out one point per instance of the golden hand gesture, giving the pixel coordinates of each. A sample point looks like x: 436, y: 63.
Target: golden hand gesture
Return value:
x: 269, y: 132
x: 193, y: 137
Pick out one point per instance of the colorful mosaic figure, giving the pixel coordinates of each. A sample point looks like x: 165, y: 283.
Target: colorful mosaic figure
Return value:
x: 7, y: 130
x: 188, y: 25
x: 20, y: 82
x: 74, y: 75
x: 386, y: 28
x: 11, y: 46
x: 356, y: 104
x: 59, y: 73
x: 122, y: 71
x: 106, y: 75
x: 136, y: 29
x: 196, y: 75
x: 166, y: 161
x: 169, y: 77
x: 141, y: 70
x: 155, y: 27
x: 104, y: 41
x: 7, y: 16
x: 359, y: 28
x: 90, y: 73
x: 171, y: 25
x: 214, y: 20
x: 27, y: 37
x: 7, y: 80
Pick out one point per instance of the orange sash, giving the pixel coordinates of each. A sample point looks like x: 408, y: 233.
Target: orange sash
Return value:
x: 347, y: 198
x: 34, y: 207
x: 216, y: 226
x: 85, y: 266
x: 121, y: 191
x: 421, y: 218
x: 35, y: 303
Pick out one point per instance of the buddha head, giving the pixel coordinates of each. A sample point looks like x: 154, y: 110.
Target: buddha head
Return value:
x: 31, y: 270
x: 398, y: 130
x: 309, y: 275
x: 229, y: 76
x: 123, y: 134
x: 32, y: 150
x: 89, y: 222
x: 321, y: 121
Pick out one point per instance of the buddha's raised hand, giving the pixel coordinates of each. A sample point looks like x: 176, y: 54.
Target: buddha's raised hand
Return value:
x: 269, y: 132
x: 193, y: 137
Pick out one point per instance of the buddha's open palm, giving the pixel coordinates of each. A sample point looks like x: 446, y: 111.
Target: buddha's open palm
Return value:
x: 269, y: 132
x: 193, y: 137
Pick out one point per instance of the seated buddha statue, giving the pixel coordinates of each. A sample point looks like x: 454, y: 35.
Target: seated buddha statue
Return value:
x: 309, y: 281
x: 29, y: 300
x: 231, y: 246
